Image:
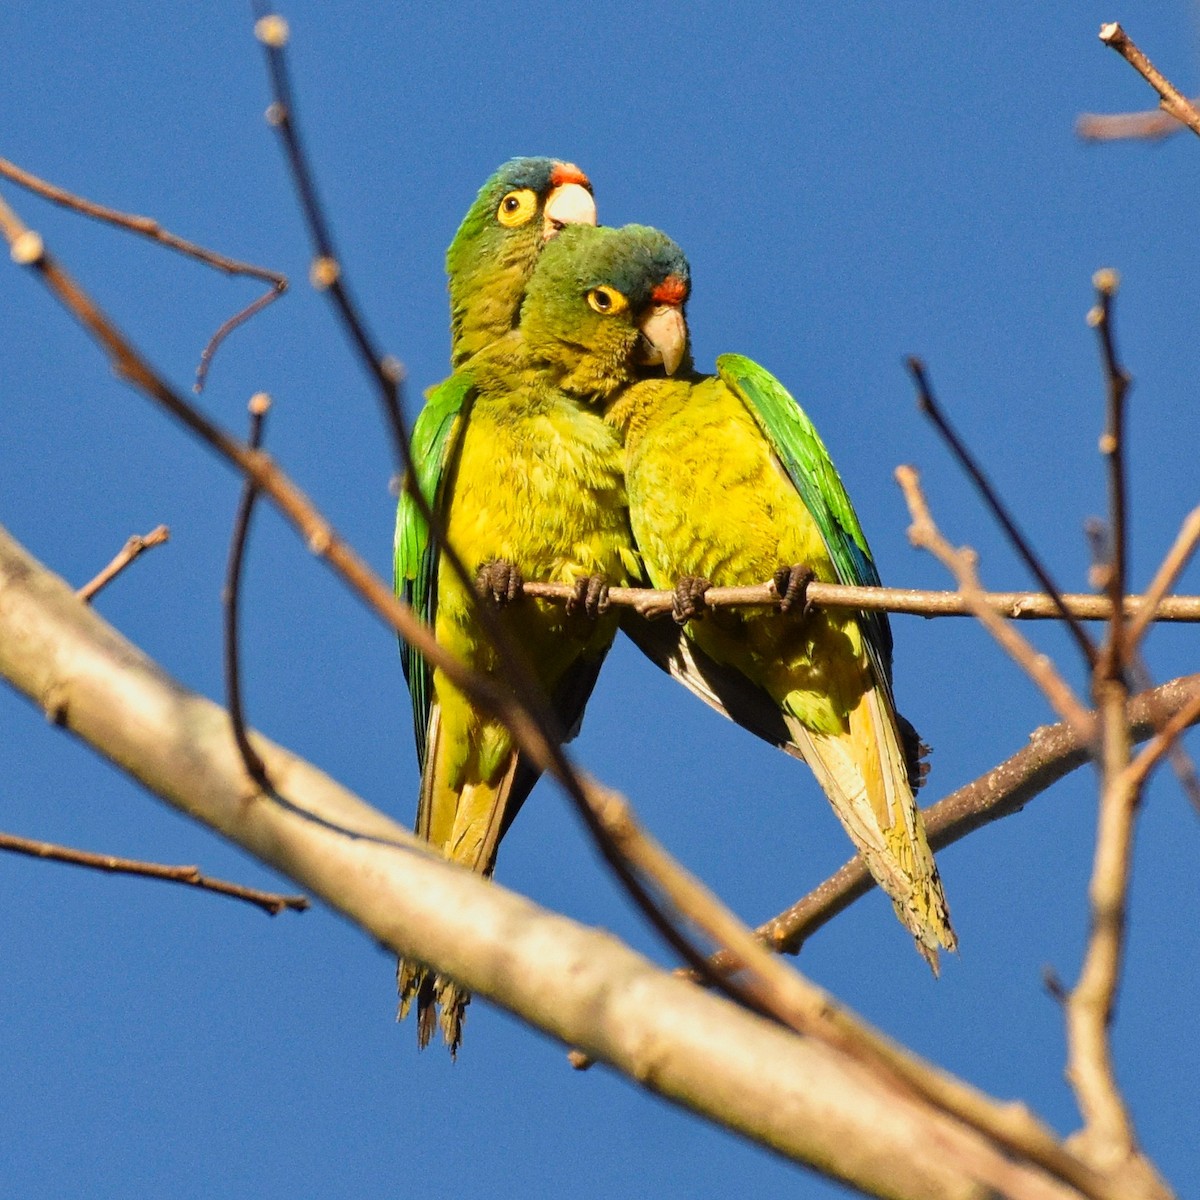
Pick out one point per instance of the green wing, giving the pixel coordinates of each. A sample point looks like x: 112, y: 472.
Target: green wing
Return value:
x: 808, y: 465
x: 435, y: 440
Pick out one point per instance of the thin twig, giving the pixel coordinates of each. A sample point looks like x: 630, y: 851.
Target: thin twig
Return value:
x: 1166, y: 738
x: 238, y: 318
x: 149, y: 228
x: 960, y: 563
x: 930, y: 407
x: 270, y: 902
x: 1136, y: 672
x: 1054, y: 751
x: 1171, y: 99
x: 1150, y: 126
x: 1013, y: 606
x: 260, y: 402
x: 1117, y: 384
x: 1107, y: 1138
x: 326, y: 273
x: 530, y: 729
x: 1172, y: 567
x: 135, y: 546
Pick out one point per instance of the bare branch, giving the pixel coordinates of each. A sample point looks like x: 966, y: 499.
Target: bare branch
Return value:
x: 149, y: 228
x: 960, y: 563
x: 930, y: 407
x: 1171, y: 99
x: 135, y: 546
x: 270, y: 902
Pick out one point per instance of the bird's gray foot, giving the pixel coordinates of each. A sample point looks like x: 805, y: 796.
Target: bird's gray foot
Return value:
x: 791, y: 585
x: 591, y: 596
x: 688, y: 602
x: 499, y: 582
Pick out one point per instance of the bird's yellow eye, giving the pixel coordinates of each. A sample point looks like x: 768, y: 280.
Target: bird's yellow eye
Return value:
x: 517, y: 208
x: 607, y: 301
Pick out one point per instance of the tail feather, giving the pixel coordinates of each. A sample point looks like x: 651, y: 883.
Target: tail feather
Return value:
x: 466, y: 824
x: 865, y: 772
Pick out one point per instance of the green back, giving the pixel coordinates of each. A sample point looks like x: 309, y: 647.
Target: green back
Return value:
x: 435, y: 440
x: 808, y: 465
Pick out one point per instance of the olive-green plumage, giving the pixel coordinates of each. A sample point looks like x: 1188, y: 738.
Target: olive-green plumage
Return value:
x: 728, y: 482
x: 531, y: 476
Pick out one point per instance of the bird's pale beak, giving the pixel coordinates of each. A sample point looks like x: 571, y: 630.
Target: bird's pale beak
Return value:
x: 664, y: 337
x: 567, y: 204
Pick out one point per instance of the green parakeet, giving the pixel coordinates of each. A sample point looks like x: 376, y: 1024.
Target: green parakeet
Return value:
x: 518, y: 210
x: 527, y: 476
x: 729, y: 483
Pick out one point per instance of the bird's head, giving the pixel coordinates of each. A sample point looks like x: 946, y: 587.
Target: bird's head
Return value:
x: 606, y: 306
x: 520, y: 208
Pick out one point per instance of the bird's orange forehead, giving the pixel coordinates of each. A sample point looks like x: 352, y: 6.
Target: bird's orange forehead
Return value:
x: 568, y: 173
x: 672, y: 290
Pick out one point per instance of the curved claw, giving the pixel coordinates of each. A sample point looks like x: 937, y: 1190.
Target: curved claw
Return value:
x: 791, y: 585
x: 688, y: 601
x: 499, y: 582
x: 591, y: 595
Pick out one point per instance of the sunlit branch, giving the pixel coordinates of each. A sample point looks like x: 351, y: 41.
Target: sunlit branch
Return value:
x: 1171, y: 99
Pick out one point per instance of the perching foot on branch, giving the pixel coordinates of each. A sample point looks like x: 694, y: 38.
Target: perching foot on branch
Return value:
x: 791, y: 583
x: 499, y: 582
x: 591, y: 596
x: 688, y: 603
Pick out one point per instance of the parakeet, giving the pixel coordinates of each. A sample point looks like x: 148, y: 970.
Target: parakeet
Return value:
x: 520, y: 208
x: 729, y: 483
x: 517, y: 211
x: 527, y: 476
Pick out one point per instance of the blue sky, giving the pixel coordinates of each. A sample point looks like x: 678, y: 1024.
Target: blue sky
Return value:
x: 851, y: 185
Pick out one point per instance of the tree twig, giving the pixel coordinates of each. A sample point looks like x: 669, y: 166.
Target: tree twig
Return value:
x: 930, y: 407
x: 1171, y: 99
x: 1107, y: 1139
x: 326, y: 273
x: 1136, y: 671
x: 1112, y: 446
x: 135, y: 546
x: 514, y: 700
x: 270, y: 902
x: 149, y: 228
x: 1164, y: 579
x: 260, y: 403
x: 924, y: 534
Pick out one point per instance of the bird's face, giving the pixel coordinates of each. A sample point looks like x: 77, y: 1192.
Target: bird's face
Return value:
x: 522, y: 207
x: 605, y: 305
x: 524, y: 204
